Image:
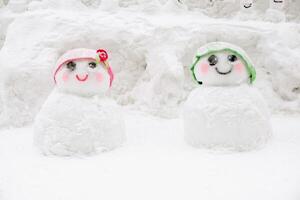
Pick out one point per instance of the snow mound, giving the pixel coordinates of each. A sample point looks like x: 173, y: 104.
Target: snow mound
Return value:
x: 69, y: 124
x: 234, y: 118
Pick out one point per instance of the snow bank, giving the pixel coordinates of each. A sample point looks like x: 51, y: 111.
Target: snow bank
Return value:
x: 150, y: 52
x: 234, y: 118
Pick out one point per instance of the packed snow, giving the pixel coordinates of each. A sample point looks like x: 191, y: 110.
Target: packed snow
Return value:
x: 154, y: 163
x: 78, y: 118
x: 69, y: 124
x: 151, y: 46
x: 78, y: 72
x: 151, y: 50
x: 231, y: 118
x: 222, y: 64
x: 225, y: 111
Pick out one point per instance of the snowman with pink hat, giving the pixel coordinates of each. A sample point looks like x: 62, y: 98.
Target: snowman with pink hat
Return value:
x: 78, y: 117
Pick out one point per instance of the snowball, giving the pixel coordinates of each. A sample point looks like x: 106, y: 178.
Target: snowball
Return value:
x: 221, y: 63
x: 277, y: 4
x: 233, y: 118
x: 275, y: 15
x: 78, y: 72
x: 246, y: 4
x: 68, y: 124
x: 249, y: 10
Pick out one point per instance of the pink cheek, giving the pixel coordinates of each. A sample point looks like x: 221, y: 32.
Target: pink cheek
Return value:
x: 239, y: 67
x: 65, y: 77
x: 204, y: 68
x: 99, y: 77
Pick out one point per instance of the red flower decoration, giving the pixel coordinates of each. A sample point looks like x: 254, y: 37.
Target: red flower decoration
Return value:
x: 102, y: 55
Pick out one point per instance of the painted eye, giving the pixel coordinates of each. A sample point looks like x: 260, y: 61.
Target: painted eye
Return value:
x: 213, y: 60
x: 92, y: 65
x: 232, y: 58
x: 71, y: 65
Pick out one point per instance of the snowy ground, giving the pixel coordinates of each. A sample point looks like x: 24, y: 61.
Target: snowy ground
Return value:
x: 155, y: 163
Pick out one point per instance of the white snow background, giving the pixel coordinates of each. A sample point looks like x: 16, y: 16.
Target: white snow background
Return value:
x: 151, y: 46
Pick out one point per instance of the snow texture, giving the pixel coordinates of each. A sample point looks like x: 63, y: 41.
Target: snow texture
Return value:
x: 151, y: 45
x: 71, y: 124
x: 154, y: 163
x: 230, y: 118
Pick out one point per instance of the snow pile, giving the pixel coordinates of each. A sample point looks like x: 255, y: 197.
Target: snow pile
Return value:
x: 68, y: 124
x: 234, y: 118
x: 151, y: 52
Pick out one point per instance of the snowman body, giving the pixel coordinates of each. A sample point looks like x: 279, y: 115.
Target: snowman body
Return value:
x: 234, y: 118
x: 225, y: 112
x: 72, y: 124
x: 77, y: 117
x: 276, y: 13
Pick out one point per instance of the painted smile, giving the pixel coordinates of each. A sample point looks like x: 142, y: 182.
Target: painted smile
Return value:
x: 223, y: 73
x: 278, y: 1
x: 82, y: 79
x: 248, y: 5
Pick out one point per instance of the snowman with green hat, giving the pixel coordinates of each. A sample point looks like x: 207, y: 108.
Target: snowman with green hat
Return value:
x: 225, y: 111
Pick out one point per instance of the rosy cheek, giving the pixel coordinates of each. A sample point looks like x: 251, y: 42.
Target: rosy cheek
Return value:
x: 239, y: 67
x: 65, y: 77
x: 99, y: 77
x: 204, y: 68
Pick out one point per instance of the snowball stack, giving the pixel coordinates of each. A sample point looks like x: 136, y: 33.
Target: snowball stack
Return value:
x: 77, y: 117
x: 225, y: 111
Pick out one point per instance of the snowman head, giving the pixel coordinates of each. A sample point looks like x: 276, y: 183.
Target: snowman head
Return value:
x: 277, y: 4
x: 222, y: 64
x: 246, y: 4
x: 83, y: 72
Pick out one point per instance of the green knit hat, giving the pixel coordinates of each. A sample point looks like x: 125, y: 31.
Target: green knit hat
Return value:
x: 216, y: 47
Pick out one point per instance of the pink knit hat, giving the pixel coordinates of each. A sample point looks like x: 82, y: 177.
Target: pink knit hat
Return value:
x: 98, y: 56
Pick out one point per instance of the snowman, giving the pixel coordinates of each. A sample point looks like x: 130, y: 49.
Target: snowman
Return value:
x: 277, y: 4
x: 225, y: 111
x: 275, y: 13
x: 248, y: 10
x: 77, y: 117
x: 246, y: 4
